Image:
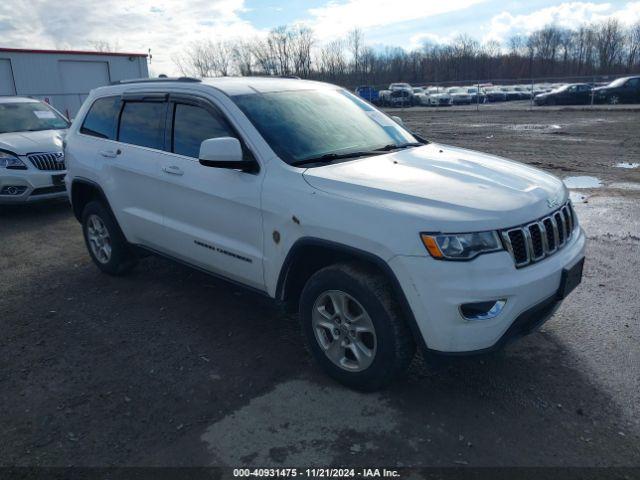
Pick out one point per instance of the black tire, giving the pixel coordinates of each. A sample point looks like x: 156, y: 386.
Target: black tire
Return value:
x: 122, y: 257
x: 395, y: 346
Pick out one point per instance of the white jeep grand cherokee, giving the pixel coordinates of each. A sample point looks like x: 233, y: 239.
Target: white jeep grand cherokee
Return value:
x: 307, y: 194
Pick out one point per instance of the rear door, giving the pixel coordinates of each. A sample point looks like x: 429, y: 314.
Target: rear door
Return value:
x: 212, y: 215
x: 134, y: 167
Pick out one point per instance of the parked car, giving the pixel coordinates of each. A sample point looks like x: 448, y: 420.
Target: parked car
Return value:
x: 571, y: 94
x: 622, y: 90
x: 524, y: 91
x: 400, y: 86
x: 459, y: 96
x: 420, y: 96
x: 283, y: 186
x: 477, y: 95
x: 510, y: 93
x: 495, y: 94
x: 383, y: 97
x: 400, y: 98
x: 438, y: 97
x: 32, y: 166
x: 369, y: 93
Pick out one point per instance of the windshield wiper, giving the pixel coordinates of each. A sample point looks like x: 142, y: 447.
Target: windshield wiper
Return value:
x: 329, y: 157
x: 393, y: 146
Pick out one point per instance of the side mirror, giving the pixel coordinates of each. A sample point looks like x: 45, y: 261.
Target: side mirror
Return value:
x: 224, y: 152
x: 397, y: 119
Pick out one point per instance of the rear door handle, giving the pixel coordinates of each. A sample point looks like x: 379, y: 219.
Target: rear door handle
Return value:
x: 173, y: 170
x: 110, y: 153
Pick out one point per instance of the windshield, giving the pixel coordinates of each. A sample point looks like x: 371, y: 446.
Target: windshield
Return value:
x: 29, y: 117
x: 305, y: 124
x: 617, y: 83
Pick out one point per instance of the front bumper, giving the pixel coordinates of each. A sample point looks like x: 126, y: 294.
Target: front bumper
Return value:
x: 39, y: 185
x: 435, y: 290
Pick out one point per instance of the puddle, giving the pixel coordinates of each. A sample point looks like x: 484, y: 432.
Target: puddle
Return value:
x: 577, y: 197
x: 582, y: 182
x: 627, y: 165
x: 535, y: 127
x: 299, y: 423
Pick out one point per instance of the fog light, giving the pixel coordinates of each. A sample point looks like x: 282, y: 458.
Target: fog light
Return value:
x: 482, y: 310
x: 12, y: 190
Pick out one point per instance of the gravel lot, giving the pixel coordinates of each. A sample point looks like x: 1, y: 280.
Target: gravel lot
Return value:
x: 171, y: 367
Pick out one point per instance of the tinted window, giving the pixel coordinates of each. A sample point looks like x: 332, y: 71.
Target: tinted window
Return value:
x: 192, y: 125
x: 101, y: 119
x: 142, y: 123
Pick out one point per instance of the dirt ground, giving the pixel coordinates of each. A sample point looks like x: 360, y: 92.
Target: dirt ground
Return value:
x: 168, y: 366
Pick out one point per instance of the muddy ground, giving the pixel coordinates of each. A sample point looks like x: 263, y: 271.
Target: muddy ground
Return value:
x: 168, y: 366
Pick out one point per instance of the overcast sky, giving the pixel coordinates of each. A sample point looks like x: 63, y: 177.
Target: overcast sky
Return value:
x: 167, y: 26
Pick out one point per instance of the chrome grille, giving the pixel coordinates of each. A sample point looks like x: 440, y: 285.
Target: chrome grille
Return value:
x: 537, y: 240
x: 48, y: 161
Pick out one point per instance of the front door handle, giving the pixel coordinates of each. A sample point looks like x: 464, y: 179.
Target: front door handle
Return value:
x: 173, y: 170
x: 110, y: 153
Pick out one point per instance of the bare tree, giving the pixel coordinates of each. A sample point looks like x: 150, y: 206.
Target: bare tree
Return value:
x: 104, y: 46
x: 355, y: 41
x: 607, y: 48
x: 302, y: 43
x: 609, y: 44
x: 633, y: 47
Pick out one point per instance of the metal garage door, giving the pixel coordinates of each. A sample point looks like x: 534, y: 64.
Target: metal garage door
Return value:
x: 7, y: 85
x: 79, y: 78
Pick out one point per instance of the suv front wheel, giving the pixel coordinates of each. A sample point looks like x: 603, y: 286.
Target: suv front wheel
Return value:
x: 106, y: 244
x: 354, y: 328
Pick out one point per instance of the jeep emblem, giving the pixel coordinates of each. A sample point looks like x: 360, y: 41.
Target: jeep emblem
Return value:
x: 553, y: 202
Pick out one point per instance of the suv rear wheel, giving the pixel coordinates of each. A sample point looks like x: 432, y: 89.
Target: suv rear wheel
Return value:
x: 106, y: 244
x: 354, y: 328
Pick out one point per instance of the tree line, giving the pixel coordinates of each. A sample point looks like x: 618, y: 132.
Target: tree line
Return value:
x: 604, y: 48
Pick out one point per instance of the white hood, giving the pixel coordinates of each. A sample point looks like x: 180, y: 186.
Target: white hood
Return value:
x: 22, y: 143
x: 456, y: 189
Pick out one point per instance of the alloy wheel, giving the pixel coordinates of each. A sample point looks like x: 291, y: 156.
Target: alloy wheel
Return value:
x: 344, y: 330
x: 99, y: 239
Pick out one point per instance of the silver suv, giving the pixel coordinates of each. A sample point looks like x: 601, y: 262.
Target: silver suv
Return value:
x: 32, y: 166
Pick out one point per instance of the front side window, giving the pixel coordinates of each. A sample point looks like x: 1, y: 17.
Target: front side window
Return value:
x: 304, y: 124
x: 142, y: 123
x: 192, y: 125
x: 101, y: 120
x: 29, y: 117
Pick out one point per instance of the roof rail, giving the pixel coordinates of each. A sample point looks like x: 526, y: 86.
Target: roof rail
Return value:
x: 159, y: 79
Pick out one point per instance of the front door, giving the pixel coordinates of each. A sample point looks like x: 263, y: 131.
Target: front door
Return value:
x: 212, y: 215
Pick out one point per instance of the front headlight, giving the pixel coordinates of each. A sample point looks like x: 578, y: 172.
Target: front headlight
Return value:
x: 461, y: 246
x: 9, y: 160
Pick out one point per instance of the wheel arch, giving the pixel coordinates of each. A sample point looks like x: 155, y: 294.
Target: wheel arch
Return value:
x: 309, y: 254
x: 84, y: 191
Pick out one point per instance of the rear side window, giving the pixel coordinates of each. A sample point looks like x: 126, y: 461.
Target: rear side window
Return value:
x: 101, y: 120
x: 142, y: 123
x: 192, y: 125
